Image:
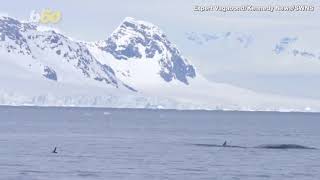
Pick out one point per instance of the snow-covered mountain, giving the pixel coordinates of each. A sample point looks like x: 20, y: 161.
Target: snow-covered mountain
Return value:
x: 135, y: 67
x: 141, y: 40
x: 51, y: 54
x: 242, y: 39
x: 268, y: 44
x: 287, y: 45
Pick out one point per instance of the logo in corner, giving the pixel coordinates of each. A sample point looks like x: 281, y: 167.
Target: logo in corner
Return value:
x: 46, y: 16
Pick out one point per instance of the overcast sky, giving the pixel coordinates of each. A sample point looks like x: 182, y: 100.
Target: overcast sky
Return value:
x: 92, y: 20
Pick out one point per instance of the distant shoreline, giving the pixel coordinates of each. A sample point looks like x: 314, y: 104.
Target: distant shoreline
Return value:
x: 153, y: 109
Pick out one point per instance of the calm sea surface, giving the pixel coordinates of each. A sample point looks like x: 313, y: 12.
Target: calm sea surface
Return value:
x: 107, y: 144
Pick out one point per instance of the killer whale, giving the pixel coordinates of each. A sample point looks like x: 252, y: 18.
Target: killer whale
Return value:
x: 55, y: 150
x: 264, y: 146
x: 218, y: 145
x: 225, y: 143
x: 284, y: 146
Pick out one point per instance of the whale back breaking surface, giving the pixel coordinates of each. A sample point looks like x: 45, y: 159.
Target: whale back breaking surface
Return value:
x: 284, y: 146
x: 264, y: 146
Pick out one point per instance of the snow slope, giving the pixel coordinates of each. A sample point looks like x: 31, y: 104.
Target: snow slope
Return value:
x: 135, y: 67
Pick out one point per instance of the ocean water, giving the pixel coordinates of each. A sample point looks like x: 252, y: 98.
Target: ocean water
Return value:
x: 107, y: 144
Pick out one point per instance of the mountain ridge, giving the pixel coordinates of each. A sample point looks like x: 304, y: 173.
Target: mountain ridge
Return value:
x: 136, y: 66
x: 139, y: 39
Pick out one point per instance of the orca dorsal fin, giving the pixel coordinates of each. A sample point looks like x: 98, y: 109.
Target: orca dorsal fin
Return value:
x: 225, y: 143
x: 55, y: 150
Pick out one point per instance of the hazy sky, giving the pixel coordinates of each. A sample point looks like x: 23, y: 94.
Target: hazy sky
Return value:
x: 95, y: 19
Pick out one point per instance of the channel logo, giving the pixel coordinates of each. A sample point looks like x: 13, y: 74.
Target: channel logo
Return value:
x: 46, y: 16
